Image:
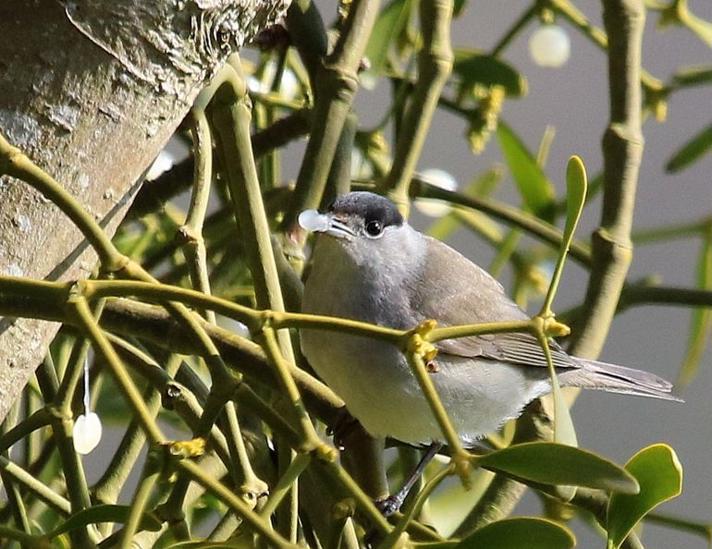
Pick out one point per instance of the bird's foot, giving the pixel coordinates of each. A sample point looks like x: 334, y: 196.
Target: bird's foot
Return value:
x: 390, y: 505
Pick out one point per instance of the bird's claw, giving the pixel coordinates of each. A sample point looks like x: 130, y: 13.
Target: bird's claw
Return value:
x: 390, y: 505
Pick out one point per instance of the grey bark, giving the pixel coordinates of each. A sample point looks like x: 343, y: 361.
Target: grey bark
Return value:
x: 91, y: 90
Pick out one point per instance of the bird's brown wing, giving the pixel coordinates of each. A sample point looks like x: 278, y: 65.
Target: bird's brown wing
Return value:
x: 456, y: 291
x: 513, y: 348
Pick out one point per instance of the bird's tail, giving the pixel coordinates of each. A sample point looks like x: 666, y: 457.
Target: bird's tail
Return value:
x: 618, y: 379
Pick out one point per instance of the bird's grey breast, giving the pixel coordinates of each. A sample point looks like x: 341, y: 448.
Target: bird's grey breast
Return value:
x: 370, y: 285
x: 369, y: 281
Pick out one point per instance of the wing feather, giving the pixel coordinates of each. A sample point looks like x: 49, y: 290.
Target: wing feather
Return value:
x: 456, y: 291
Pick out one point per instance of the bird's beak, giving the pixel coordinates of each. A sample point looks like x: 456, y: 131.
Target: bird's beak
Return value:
x: 328, y: 223
x: 339, y: 229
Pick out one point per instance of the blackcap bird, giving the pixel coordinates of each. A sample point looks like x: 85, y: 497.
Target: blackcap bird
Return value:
x: 369, y: 264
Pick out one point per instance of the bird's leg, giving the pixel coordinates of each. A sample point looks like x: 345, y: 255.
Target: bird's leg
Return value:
x: 393, y: 503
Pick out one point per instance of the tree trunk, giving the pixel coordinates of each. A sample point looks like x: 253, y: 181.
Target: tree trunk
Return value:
x: 91, y: 91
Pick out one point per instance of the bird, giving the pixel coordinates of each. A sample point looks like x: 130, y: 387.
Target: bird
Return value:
x: 369, y: 264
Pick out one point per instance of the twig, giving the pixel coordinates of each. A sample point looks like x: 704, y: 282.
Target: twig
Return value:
x: 308, y: 35
x: 155, y: 194
x: 515, y: 29
x: 259, y: 524
x: 434, y: 65
x: 600, y: 38
x: 12, y: 491
x: 191, y: 233
x: 510, y: 215
x: 79, y: 310
x: 231, y: 117
x: 336, y: 83
x: 635, y: 295
x: 108, y: 487
x: 35, y: 486
x: 250, y: 484
x: 622, y: 150
x: 139, y: 502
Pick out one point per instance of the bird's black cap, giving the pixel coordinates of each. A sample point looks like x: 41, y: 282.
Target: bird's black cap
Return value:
x: 369, y: 206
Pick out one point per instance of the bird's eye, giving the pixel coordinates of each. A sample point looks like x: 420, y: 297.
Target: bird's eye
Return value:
x: 374, y: 227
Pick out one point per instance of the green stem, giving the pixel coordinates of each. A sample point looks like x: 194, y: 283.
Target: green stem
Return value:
x: 599, y: 37
x: 336, y: 81
x: 256, y: 319
x: 268, y: 414
x: 108, y: 487
x: 27, y: 540
x: 612, y: 249
x: 155, y: 194
x: 363, y: 458
x: 139, y: 502
x: 231, y: 118
x: 652, y: 295
x: 191, y: 233
x: 460, y: 457
x: 515, y: 29
x: 258, y: 523
x: 79, y: 310
x: 306, y: 28
x: 339, y: 474
x: 74, y: 372
x: 152, y: 324
x: 62, y: 431
x: 12, y: 491
x: 677, y: 231
x: 434, y: 65
x: 508, y: 214
x: 41, y: 418
x: 310, y: 440
x: 339, y: 180
x: 271, y: 163
x: 285, y: 484
x: 36, y: 487
x: 701, y: 528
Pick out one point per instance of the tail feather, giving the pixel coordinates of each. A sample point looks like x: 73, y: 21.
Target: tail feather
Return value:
x: 618, y: 379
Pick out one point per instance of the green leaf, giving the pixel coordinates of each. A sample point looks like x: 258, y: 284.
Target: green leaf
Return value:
x: 576, y: 186
x: 520, y: 533
x: 701, y: 323
x: 659, y: 475
x: 478, y: 69
x: 536, y: 189
x: 451, y: 503
x: 105, y: 513
x: 388, y: 26
x: 560, y: 464
x: 564, y: 431
x: 692, y: 151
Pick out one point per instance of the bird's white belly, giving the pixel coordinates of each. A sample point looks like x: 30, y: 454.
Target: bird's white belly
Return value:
x: 380, y: 390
